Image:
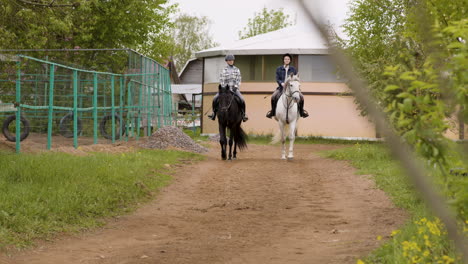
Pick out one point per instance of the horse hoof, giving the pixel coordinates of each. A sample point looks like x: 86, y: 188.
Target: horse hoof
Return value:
x: 283, y: 158
x: 290, y: 158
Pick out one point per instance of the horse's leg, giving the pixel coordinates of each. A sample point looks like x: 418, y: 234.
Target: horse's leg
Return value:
x: 283, y: 140
x: 230, y: 145
x: 234, y: 154
x: 222, y: 141
x: 292, y: 137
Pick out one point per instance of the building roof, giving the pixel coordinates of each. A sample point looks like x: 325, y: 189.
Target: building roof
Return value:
x: 294, y: 40
x: 185, y: 66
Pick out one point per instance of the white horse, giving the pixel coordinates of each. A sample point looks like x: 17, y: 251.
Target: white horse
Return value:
x: 287, y: 114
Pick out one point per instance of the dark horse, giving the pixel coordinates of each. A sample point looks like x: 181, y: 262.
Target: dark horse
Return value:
x: 230, y: 116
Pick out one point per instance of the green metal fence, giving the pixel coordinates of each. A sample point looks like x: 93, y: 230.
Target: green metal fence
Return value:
x: 57, y: 102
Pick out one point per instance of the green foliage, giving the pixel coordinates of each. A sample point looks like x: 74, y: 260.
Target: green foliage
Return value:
x: 191, y: 34
x: 44, y: 194
x: 413, y: 55
x: 423, y: 239
x: 265, y: 21
x: 140, y: 25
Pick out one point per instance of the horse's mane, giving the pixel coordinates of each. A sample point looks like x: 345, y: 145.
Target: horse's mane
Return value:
x: 292, y: 78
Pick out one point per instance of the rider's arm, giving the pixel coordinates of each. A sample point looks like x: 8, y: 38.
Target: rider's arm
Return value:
x: 222, y: 77
x: 278, y: 76
x: 238, y: 78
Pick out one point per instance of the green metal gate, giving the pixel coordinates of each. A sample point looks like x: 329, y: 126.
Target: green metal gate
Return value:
x: 78, y: 104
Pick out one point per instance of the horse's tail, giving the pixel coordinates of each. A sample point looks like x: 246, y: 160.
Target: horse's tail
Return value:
x: 240, y: 137
x: 277, y: 137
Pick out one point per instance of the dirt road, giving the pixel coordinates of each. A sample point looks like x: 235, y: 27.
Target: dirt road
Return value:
x: 257, y: 209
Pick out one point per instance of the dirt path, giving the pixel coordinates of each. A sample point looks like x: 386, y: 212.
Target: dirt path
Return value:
x: 257, y: 209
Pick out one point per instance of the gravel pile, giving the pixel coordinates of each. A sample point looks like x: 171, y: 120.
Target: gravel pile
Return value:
x: 215, y: 138
x: 168, y: 136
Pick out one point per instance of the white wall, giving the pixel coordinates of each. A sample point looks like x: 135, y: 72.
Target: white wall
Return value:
x: 213, y: 67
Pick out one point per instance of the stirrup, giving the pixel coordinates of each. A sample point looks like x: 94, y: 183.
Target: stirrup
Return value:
x: 304, y: 114
x: 245, y: 118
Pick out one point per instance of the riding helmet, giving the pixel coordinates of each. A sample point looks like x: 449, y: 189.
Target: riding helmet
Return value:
x: 229, y: 57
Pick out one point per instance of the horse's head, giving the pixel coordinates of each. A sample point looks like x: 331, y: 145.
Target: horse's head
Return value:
x: 225, y: 98
x: 293, y: 86
x: 223, y: 89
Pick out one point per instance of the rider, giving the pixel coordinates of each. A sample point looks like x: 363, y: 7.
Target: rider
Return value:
x: 282, y: 72
x: 230, y: 76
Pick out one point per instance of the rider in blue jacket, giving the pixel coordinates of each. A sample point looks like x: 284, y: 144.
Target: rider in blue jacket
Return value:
x: 282, y: 72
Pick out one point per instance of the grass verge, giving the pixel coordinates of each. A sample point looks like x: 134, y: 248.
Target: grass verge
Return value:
x: 423, y: 238
x: 266, y: 139
x: 44, y: 194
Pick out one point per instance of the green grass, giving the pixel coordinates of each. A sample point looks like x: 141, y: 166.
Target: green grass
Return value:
x: 195, y: 135
x: 422, y: 239
x: 266, y: 139
x: 43, y: 194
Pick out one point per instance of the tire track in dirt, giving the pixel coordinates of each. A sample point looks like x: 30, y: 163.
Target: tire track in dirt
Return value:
x: 257, y: 209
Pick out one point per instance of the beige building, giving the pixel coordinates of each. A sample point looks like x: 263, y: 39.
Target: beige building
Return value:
x: 328, y: 100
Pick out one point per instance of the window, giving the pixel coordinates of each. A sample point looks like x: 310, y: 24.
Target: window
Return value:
x: 318, y: 68
x: 258, y: 67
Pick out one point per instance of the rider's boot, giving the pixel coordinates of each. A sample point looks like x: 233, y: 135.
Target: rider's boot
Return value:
x: 212, y: 116
x: 302, y: 112
x: 272, y: 113
x: 244, y: 114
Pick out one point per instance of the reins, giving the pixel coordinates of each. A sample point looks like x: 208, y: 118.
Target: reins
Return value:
x: 226, y: 108
x: 288, y: 105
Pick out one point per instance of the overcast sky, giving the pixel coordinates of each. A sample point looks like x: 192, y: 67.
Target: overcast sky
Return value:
x: 228, y: 17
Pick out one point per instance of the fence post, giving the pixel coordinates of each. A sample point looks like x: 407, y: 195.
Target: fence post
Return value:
x: 95, y: 117
x: 113, y: 108
x: 51, y: 105
x: 122, y: 91
x: 140, y: 95
x: 159, y: 97
x: 148, y: 107
x: 75, y: 108
x: 18, y: 107
x: 129, y: 109
x: 193, y: 114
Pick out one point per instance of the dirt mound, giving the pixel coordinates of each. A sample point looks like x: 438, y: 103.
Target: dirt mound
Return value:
x: 172, y: 137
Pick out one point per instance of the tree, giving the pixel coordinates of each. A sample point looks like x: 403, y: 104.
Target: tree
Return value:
x: 405, y: 50
x: 414, y: 57
x: 265, y: 21
x: 137, y: 24
x: 191, y: 34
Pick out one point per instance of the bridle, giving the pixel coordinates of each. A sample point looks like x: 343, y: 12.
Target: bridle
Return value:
x: 226, y: 108
x: 289, y: 98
